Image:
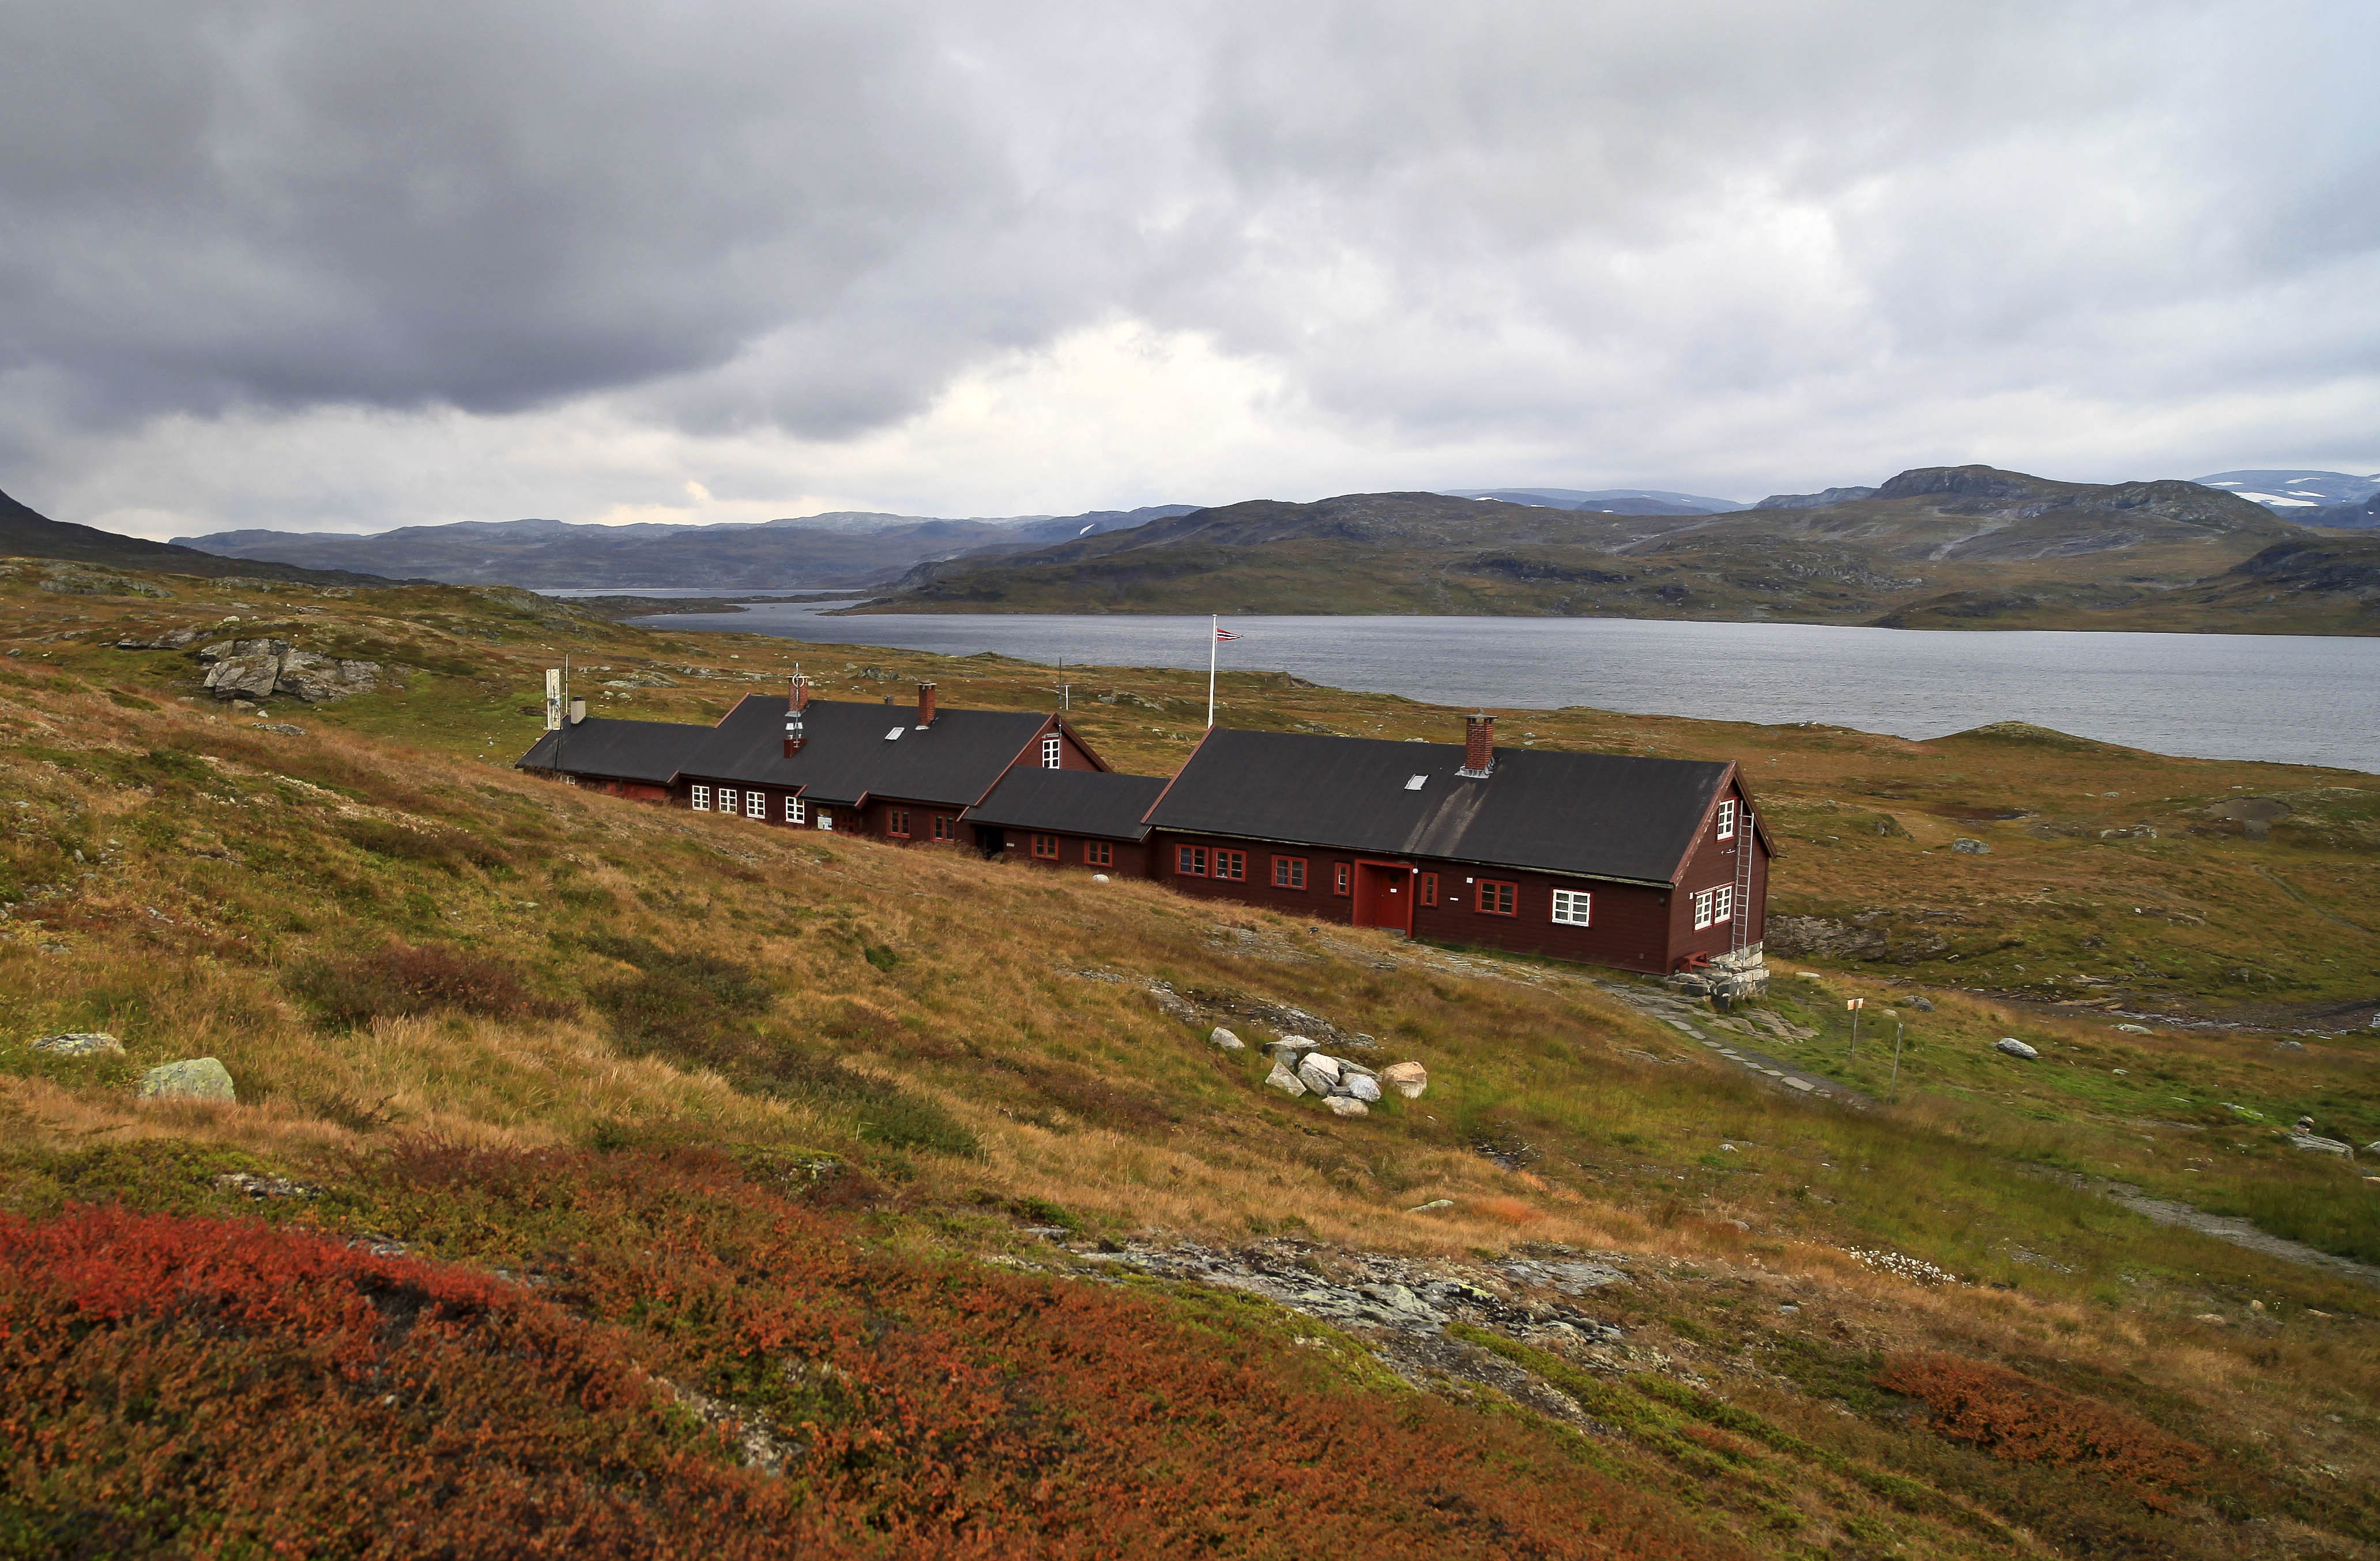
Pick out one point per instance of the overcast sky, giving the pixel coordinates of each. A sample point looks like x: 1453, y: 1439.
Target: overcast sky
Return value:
x: 341, y: 265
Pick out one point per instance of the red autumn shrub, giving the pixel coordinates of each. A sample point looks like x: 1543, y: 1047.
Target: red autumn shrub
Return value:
x: 209, y: 1386
x: 2013, y: 1417
x: 204, y: 1387
x: 399, y: 980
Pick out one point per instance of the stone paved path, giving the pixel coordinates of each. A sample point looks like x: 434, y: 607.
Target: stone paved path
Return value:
x: 1696, y: 1023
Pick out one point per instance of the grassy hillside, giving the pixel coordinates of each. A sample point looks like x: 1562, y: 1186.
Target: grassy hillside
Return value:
x: 26, y: 532
x: 1965, y: 547
x: 700, y: 1186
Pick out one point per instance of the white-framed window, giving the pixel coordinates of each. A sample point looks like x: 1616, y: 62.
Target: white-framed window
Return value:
x: 1053, y: 751
x: 1572, y: 906
x: 1727, y: 823
x: 1724, y: 903
x: 700, y: 798
x: 1703, y: 897
x: 756, y: 805
x: 797, y: 812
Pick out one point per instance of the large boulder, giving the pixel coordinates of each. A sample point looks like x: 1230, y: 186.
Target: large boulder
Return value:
x: 1284, y: 1079
x: 1360, y: 1087
x: 2015, y: 1047
x: 199, y: 1078
x: 1347, y: 1105
x: 1319, y: 1073
x: 79, y: 1043
x: 1224, y: 1040
x: 1408, y: 1079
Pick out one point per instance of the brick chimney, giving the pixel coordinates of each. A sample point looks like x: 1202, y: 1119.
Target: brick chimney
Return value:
x: 1478, y: 745
x: 925, y: 706
x: 797, y: 699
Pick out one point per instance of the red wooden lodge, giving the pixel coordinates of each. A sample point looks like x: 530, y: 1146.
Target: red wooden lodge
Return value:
x: 1643, y: 864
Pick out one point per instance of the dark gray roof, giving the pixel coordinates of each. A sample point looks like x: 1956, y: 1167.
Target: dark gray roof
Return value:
x: 848, y: 757
x: 1598, y: 814
x: 623, y: 750
x: 1074, y: 802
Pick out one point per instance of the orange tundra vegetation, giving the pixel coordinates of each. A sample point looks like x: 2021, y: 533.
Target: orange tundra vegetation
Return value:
x: 221, y: 1387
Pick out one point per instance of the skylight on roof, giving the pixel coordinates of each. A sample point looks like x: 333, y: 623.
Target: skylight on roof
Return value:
x: 1415, y: 784
x: 895, y: 734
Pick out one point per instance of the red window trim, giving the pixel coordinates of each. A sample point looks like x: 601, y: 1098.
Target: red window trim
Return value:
x: 1504, y: 892
x: 1099, y: 853
x: 1289, y: 872
x: 1045, y: 847
x: 945, y: 827
x: 1232, y: 865
x: 1190, y: 860
x: 896, y: 823
x: 1342, y: 877
x: 1429, y: 888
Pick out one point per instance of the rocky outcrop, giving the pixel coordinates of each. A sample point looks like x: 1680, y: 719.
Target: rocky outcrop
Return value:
x: 79, y: 1043
x: 172, y: 639
x: 257, y: 668
x: 1815, y: 500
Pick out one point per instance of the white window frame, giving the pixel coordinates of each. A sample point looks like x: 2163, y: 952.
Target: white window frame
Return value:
x: 1053, y: 752
x: 756, y: 805
x: 699, y: 798
x: 1723, y: 903
x: 1703, y: 908
x: 797, y: 811
x: 1573, y: 907
x: 1727, y: 823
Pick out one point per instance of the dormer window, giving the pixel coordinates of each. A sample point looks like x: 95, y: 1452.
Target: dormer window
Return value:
x: 1415, y: 783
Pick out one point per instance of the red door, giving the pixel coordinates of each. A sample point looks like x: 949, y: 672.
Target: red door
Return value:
x: 1384, y: 896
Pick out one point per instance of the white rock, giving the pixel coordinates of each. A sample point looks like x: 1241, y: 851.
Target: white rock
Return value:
x: 1408, y: 1079
x: 1224, y: 1040
x: 1362, y: 1088
x: 1433, y: 1204
x: 1099, y: 877
x: 79, y: 1043
x: 2133, y: 1029
x: 2015, y: 1047
x: 199, y: 1078
x: 1347, y: 1105
x: 1281, y: 1077
x: 1319, y: 1073
x: 1294, y: 1046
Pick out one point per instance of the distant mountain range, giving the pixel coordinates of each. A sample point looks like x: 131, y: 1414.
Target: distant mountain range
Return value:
x: 1609, y: 501
x: 839, y: 550
x: 1946, y: 546
x: 2332, y: 499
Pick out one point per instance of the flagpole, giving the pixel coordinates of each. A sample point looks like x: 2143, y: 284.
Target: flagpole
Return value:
x: 1212, y: 638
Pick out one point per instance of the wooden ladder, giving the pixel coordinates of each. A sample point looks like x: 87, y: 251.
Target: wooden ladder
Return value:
x: 1739, y: 936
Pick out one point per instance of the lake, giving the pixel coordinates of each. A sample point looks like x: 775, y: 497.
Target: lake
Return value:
x: 2294, y: 699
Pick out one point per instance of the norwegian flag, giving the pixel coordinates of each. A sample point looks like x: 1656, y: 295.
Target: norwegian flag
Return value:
x: 1221, y: 633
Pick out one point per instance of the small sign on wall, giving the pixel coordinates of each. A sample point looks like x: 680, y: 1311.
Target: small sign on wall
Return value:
x: 554, y: 698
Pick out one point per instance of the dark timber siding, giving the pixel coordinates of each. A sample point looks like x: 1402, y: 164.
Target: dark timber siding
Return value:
x: 1630, y: 928
x: 1131, y: 857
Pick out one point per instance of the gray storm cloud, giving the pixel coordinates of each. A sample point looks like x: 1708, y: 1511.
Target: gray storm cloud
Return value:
x: 1739, y: 243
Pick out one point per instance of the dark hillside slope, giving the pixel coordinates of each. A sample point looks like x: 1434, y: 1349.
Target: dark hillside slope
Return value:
x: 1931, y: 534
x: 838, y: 551
x: 27, y: 533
